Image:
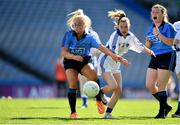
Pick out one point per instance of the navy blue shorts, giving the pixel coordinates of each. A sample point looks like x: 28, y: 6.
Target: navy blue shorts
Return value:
x: 164, y: 61
x: 76, y: 65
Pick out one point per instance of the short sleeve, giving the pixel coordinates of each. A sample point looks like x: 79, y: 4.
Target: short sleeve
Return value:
x: 65, y: 41
x: 95, y: 43
x: 171, y: 32
x: 95, y: 36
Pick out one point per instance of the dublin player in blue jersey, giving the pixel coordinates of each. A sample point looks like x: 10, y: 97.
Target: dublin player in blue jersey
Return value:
x: 160, y: 37
x: 76, y: 47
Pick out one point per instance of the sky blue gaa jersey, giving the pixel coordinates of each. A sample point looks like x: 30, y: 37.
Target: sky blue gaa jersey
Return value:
x: 158, y: 46
x: 80, y: 47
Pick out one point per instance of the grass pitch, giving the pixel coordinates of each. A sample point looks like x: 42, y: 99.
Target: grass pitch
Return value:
x: 56, y: 111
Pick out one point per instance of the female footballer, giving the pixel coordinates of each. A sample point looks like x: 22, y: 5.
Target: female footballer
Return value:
x: 120, y: 41
x: 76, y: 47
x: 160, y: 39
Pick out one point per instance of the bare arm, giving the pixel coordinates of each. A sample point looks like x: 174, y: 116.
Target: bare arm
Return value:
x: 113, y: 56
x: 66, y: 54
x: 148, y: 43
x: 168, y: 41
x: 149, y: 52
x: 147, y: 47
x: 107, y: 51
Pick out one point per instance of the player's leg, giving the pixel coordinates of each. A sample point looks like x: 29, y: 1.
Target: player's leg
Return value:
x: 161, y: 95
x: 152, y: 86
x: 72, y: 77
x: 91, y: 74
x: 171, y: 87
x: 164, y: 71
x: 116, y: 92
x: 151, y: 80
x: 111, y: 83
x: 177, y: 113
x: 82, y: 80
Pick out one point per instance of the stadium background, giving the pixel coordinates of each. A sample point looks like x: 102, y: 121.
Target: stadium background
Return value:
x: 31, y: 32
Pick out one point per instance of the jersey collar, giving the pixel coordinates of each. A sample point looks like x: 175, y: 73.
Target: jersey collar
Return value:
x: 161, y: 25
x: 83, y: 36
x: 120, y: 34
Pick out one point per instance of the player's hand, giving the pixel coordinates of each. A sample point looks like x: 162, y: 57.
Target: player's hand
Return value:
x: 156, y: 31
x: 78, y: 58
x: 120, y: 59
x: 148, y: 43
x: 152, y: 53
x: 123, y: 61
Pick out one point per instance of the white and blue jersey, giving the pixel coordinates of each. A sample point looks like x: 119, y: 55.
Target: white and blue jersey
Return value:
x: 119, y: 45
x: 80, y: 47
x: 158, y: 46
x: 177, y: 38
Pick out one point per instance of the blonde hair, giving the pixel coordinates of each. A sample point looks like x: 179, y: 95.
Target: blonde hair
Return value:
x: 116, y: 15
x: 163, y: 10
x: 125, y: 19
x: 78, y: 14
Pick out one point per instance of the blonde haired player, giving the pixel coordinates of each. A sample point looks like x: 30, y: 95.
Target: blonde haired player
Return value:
x: 120, y: 41
x: 76, y: 47
x: 82, y: 79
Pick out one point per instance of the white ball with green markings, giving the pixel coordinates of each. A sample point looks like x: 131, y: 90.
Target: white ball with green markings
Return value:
x: 91, y: 88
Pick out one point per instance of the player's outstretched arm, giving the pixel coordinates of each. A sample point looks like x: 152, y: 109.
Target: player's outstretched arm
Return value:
x: 114, y: 56
x: 149, y: 52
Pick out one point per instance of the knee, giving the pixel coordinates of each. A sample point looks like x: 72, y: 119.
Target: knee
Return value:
x: 73, y: 86
x: 93, y: 77
x: 150, y: 86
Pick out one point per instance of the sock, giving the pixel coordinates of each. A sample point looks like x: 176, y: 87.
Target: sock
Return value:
x: 109, y: 110
x: 85, y: 99
x: 156, y: 96
x: 162, y: 98
x: 72, y: 99
x: 98, y: 97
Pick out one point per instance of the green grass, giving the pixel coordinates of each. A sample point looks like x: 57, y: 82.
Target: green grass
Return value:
x: 56, y: 111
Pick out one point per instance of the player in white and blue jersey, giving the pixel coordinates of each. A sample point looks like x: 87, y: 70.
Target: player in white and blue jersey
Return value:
x: 121, y: 40
x: 177, y: 69
x: 160, y: 37
x: 76, y: 47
